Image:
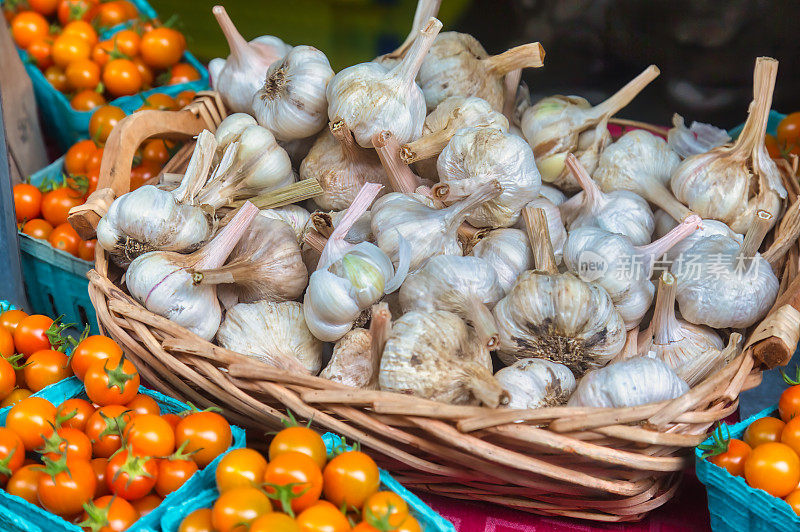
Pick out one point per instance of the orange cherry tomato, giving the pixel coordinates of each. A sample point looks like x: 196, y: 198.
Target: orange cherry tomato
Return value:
x: 146, y: 504
x: 145, y: 71
x: 16, y: 396
x: 83, y: 74
x: 11, y: 318
x: 240, y: 468
x: 409, y: 525
x: 274, y: 522
x: 108, y: 382
x: 184, y: 98
x: 74, y: 413
x: 93, y: 349
x: 57, y: 78
x: 65, y: 238
x: 131, y: 476
x: 790, y: 435
x: 198, y: 521
x: 158, y: 101
x: 12, y: 453
x: 27, y: 27
x: 40, y: 52
x: 149, y: 435
x: 65, y: 492
x: 94, y: 161
x: 103, y: 121
x: 322, y: 517
x: 8, y: 378
x: 46, y: 367
x: 387, y: 507
x: 173, y: 473
x: 121, y: 77
x: 155, y: 151
x: 86, y: 249
x: 300, y: 440
x: 32, y: 419
x: 788, y: 133
x: 109, y: 514
x: 57, y: 203
x: 111, y: 13
x: 99, y: 465
x: 24, y: 483
x: 774, y: 468
x: 162, y: 47
x: 143, y: 173
x: 350, y: 479
x: 68, y: 48
x: 763, y: 430
x: 27, y: 201
x: 130, y: 9
x: 72, y: 442
x: 78, y: 155
x: 127, y: 42
x: 76, y: 10
x: 43, y: 7
x: 172, y: 419
x: 86, y: 100
x: 299, y: 471
x: 208, y: 433
x: 101, y: 52
x: 239, y: 507
x: 6, y: 342
x: 38, y: 228
x: 789, y: 403
x: 793, y: 499
x: 82, y: 29
x: 104, y: 428
x: 144, y: 404
x: 31, y: 334
x: 773, y: 148
x: 182, y: 73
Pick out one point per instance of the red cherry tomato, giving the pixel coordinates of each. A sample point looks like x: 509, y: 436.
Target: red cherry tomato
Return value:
x: 31, y: 334
x: 131, y: 476
x: 38, y: 228
x: 65, y: 238
x: 110, y: 383
x: 66, y: 486
x: 27, y: 27
x: 207, y: 433
x: 27, y: 201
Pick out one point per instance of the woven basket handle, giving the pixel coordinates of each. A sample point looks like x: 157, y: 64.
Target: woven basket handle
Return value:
x: 206, y: 111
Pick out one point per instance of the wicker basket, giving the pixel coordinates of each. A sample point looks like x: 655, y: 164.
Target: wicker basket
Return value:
x: 592, y: 463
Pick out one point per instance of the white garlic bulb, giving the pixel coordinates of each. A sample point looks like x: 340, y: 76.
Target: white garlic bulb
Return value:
x: 555, y: 227
x: 696, y: 139
x: 477, y: 155
x: 434, y: 355
x: 536, y: 383
x: 370, y: 99
x: 294, y: 215
x: 297, y: 149
x: 642, y: 163
x: 555, y: 196
x: 731, y: 183
x: 664, y: 223
x: 292, y: 103
x: 558, y: 125
x: 231, y: 128
x: 341, y: 167
x: 630, y: 382
x: 722, y: 283
x: 239, y: 77
x: 350, y: 363
x: 621, y: 268
x: 274, y: 333
x: 508, y: 252
x: 428, y: 230
x: 160, y: 280
x: 467, y: 286
x: 458, y: 65
x: 619, y: 211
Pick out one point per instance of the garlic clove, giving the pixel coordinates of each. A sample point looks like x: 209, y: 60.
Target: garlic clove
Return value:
x: 508, y: 252
x: 536, y: 383
x: 294, y: 215
x: 231, y: 128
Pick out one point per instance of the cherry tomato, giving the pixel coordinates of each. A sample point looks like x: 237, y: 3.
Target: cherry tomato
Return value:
x: 789, y: 133
x: 387, y: 507
x: 83, y: 74
x: 155, y: 152
x: 76, y: 10
x: 144, y: 404
x: 29, y: 26
x: 162, y: 47
x: 142, y: 174
x: 774, y: 468
x: 111, y: 13
x: 173, y: 473
x: 25, y: 483
x: 12, y: 453
x: 27, y: 201
x: 130, y: 9
x: 86, y: 100
x: 38, y: 228
x: 274, y: 522
x: 121, y: 77
x: 82, y: 29
x: 6, y: 342
x: 409, y: 525
x: 73, y: 442
x: 108, y: 514
x: 69, y: 48
x: 57, y: 78
x: 763, y: 430
x: 789, y: 403
x: 158, y: 101
x: 102, y: 52
x: 108, y: 382
x: 74, y: 413
x: 92, y: 349
x: 182, y: 73
x: 131, y: 476
x: 733, y: 458
x: 57, y: 203
x: 790, y: 435
x: 67, y: 488
x: 65, y: 238
x: 146, y: 504
x: 99, y: 465
x: 240, y: 468
x: 793, y: 499
x: 43, y: 7
x: 46, y: 367
x: 350, y: 478
x: 208, y: 433
x: 94, y: 161
x: 145, y: 71
x: 197, y: 521
x: 40, y: 52
x: 15, y: 397
x: 11, y: 318
x: 301, y: 440
x: 238, y: 508
x: 184, y: 98
x: 300, y: 471
x: 32, y: 419
x: 322, y: 517
x: 172, y: 419
x: 31, y: 334
x: 86, y: 249
x: 103, y: 121
x: 78, y: 155
x: 149, y: 435
x: 127, y: 42
x: 8, y: 377
x: 104, y: 428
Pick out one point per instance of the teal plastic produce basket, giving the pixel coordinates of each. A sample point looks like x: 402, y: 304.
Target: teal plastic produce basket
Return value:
x: 18, y: 515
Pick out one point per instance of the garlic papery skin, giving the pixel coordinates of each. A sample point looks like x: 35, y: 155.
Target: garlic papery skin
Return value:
x: 696, y: 139
x: 370, y: 99
x: 467, y: 286
x: 477, y: 155
x: 731, y: 183
x: 429, y: 231
x: 458, y: 65
x: 722, y: 283
x: 435, y: 355
x: 555, y: 196
x: 341, y: 167
x: 360, y: 231
x: 241, y: 75
x: 630, y: 382
x: 664, y: 223
x: 294, y: 215
x: 425, y: 10
x: 619, y: 211
x: 350, y: 363
x: 536, y: 383
x: 555, y: 227
x: 292, y: 102
x: 692, y: 351
x: 454, y: 113
x: 557, y: 316
x: 642, y: 163
x: 558, y: 125
x: 508, y: 252
x: 231, y: 128
x: 273, y: 333
x: 160, y: 280
x: 621, y: 268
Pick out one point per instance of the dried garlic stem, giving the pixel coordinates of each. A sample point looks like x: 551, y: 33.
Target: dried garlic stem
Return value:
x: 651, y: 252
x: 456, y: 213
x: 214, y: 254
x: 425, y: 10
x: 236, y: 42
x: 401, y: 178
x: 427, y: 146
x: 755, y: 235
x: 379, y: 329
x: 280, y: 197
x: 482, y: 321
x: 539, y: 236
x: 626, y: 94
x: 665, y: 324
x: 314, y: 240
x: 511, y: 85
x: 529, y: 55
x: 592, y: 195
x: 409, y: 67
x: 755, y: 127
x: 350, y: 149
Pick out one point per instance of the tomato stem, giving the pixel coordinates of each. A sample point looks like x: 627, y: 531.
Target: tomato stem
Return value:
x: 719, y: 445
x: 4, y: 469
x: 285, y: 494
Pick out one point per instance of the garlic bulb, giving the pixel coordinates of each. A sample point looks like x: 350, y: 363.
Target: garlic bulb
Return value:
x: 265, y: 264
x: 557, y: 316
x: 619, y: 211
x: 558, y: 125
x: 642, y: 163
x: 425, y: 10
x: 291, y: 103
x: 722, y: 283
x: 231, y: 128
x: 664, y: 223
x: 458, y: 65
x: 152, y: 219
x: 536, y: 383
x: 621, y: 268
x: 294, y: 215
x: 238, y: 79
x: 297, y: 149
x: 696, y: 139
x: 274, y: 333
x: 631, y: 382
x: 429, y: 231
x: 477, y: 155
x: 555, y: 196
x: 370, y: 99
x: 160, y: 280
x: 731, y: 183
x: 508, y: 252
x: 555, y: 227
x: 341, y: 167
x: 435, y: 355
x: 692, y: 351
x: 467, y: 286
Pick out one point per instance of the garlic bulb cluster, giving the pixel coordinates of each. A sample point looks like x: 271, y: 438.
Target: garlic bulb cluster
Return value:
x: 722, y: 283
x: 292, y: 104
x: 558, y: 125
x: 508, y: 252
x: 619, y: 211
x: 731, y: 183
x: 477, y: 155
x: 435, y: 355
x: 370, y: 99
x: 458, y: 65
x: 664, y: 223
x: 536, y: 383
x: 467, y: 286
x: 631, y: 382
x: 238, y: 77
x: 274, y: 333
x: 293, y: 215
x: 695, y: 139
